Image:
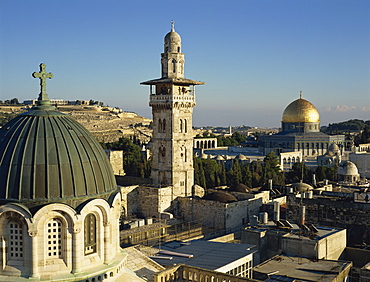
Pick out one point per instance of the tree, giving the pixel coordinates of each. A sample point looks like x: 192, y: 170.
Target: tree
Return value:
x: 134, y: 163
x: 238, y: 137
x: 199, y: 177
x: 364, y: 136
x: 234, y: 175
x: 247, y: 175
x: 271, y: 170
x: 320, y: 173
x: 14, y: 101
x: 295, y: 175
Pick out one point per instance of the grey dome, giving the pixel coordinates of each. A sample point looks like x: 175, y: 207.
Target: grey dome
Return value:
x: 220, y: 196
x: 349, y: 168
x: 46, y: 156
x: 172, y: 37
x: 240, y: 187
x: 302, y: 187
x: 334, y: 148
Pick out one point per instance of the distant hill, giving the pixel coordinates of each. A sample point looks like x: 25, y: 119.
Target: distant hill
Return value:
x: 352, y: 125
x: 105, y: 123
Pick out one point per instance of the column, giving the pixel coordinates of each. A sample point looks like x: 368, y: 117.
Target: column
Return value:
x: 77, y: 249
x: 34, y: 255
x: 107, y: 241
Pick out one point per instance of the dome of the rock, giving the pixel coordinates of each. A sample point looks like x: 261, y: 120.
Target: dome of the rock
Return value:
x: 301, y: 110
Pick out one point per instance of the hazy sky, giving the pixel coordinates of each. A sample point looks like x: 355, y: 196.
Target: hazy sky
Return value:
x: 254, y: 56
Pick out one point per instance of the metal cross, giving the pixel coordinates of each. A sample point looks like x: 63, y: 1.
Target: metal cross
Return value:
x: 43, y: 75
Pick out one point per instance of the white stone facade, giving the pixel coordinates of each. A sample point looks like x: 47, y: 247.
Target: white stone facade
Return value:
x: 59, y: 241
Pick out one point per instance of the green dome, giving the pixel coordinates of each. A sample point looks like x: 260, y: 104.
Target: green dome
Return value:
x: 46, y: 156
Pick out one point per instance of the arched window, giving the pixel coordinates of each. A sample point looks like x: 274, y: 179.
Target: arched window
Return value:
x: 54, y: 238
x: 90, y: 234
x: 159, y: 125
x: 178, y: 49
x: 185, y: 126
x: 164, y: 126
x: 173, y: 65
x: 180, y: 125
x: 15, y: 241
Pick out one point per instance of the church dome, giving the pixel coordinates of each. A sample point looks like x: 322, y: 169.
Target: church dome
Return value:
x: 46, y: 156
x: 301, y: 110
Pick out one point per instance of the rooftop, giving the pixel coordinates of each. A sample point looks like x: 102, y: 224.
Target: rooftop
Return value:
x: 206, y: 254
x: 301, y: 269
x: 294, y: 232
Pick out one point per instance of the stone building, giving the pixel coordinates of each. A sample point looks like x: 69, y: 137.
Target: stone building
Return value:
x: 222, y: 210
x: 172, y: 98
x: 348, y: 172
x: 362, y: 161
x: 300, y: 131
x: 332, y: 157
x: 59, y: 202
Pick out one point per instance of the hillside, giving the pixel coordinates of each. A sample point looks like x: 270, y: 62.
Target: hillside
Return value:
x: 105, y: 123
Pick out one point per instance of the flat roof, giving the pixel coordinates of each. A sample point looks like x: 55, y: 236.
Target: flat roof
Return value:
x: 302, y: 268
x: 295, y: 231
x: 206, y: 254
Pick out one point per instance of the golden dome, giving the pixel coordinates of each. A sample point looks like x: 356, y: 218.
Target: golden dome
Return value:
x: 301, y: 110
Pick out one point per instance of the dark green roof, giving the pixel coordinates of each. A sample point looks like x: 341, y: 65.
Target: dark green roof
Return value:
x: 46, y: 156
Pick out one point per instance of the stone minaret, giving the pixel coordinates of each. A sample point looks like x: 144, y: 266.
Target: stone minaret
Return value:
x: 172, y: 98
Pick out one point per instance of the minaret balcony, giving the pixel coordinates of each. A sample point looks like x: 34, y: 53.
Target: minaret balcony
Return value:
x: 171, y: 98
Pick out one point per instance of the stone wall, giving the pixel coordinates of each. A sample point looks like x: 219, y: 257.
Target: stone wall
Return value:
x: 130, y: 203
x: 335, y: 212
x: 154, y: 200
x: 218, y: 215
x: 116, y: 161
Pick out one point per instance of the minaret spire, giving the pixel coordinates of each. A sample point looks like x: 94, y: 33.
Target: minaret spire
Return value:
x: 173, y: 26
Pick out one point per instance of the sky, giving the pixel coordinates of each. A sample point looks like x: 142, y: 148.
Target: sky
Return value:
x: 254, y: 56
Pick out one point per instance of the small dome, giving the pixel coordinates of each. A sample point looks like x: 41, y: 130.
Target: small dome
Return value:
x: 241, y: 157
x: 302, y: 187
x: 240, y: 187
x: 220, y: 196
x: 349, y: 168
x: 219, y: 158
x: 172, y: 37
x: 301, y: 110
x: 46, y: 156
x: 333, y: 148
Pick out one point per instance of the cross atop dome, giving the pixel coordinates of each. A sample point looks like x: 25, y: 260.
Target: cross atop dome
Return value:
x: 43, y: 99
x: 300, y: 94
